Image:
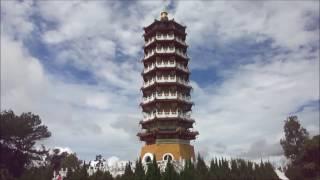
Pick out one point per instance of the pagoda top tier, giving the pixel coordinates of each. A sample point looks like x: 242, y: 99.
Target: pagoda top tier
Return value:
x: 164, y: 24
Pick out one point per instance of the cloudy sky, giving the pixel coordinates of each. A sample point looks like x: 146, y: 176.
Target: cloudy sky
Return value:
x: 77, y: 65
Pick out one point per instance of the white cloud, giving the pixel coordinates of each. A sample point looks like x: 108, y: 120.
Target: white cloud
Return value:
x: 254, y: 99
x: 15, y: 18
x: 283, y: 22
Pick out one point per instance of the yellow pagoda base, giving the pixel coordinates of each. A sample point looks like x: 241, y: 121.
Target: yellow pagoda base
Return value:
x: 178, y: 151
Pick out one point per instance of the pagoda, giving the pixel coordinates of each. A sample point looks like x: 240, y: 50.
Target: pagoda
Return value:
x: 166, y: 104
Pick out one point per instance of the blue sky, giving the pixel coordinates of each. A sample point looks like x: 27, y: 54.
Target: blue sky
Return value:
x: 77, y: 65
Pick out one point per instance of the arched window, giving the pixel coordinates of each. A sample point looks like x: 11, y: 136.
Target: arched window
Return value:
x: 147, y: 158
x: 167, y: 157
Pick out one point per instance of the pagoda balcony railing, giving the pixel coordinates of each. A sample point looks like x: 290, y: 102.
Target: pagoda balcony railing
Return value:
x: 166, y: 96
x: 166, y: 114
x: 165, y: 50
x: 149, y: 54
x: 165, y: 64
x: 180, y: 41
x: 164, y: 79
x: 180, y: 53
x: 164, y: 37
x: 179, y: 66
x: 149, y: 41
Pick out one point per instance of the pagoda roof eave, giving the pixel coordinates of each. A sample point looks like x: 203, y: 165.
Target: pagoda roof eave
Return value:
x: 169, y: 21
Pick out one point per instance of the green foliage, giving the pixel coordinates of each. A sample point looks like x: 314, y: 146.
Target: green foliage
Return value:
x: 39, y: 173
x: 295, y: 136
x: 188, y: 173
x: 18, y: 135
x: 128, y: 173
x: 78, y: 174
x: 5, y: 175
x: 303, y: 152
x: 153, y: 171
x: 70, y: 161
x: 170, y: 173
x: 310, y: 158
x: 201, y: 169
x: 139, y: 173
x: 99, y: 175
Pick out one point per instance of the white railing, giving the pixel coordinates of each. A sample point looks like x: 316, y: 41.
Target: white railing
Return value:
x: 180, y: 53
x: 149, y: 83
x: 164, y: 95
x: 161, y: 79
x: 164, y: 37
x: 165, y: 50
x: 149, y: 41
x: 180, y: 40
x: 149, y: 68
x: 148, y: 99
x: 165, y: 64
x: 162, y: 64
x: 182, y: 67
x: 166, y: 114
x: 149, y: 54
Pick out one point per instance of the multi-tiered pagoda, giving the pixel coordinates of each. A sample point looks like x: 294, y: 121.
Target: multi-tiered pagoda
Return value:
x: 166, y: 103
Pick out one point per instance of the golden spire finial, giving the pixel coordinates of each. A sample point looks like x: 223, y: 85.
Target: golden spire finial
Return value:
x: 164, y: 13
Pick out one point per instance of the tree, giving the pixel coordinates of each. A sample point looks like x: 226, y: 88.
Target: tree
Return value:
x: 128, y: 174
x: 188, y: 173
x: 295, y: 136
x: 38, y: 173
x: 55, y: 159
x: 79, y: 174
x: 170, y: 173
x: 99, y: 175
x: 71, y: 162
x: 213, y: 169
x: 18, y: 135
x: 302, y: 151
x: 139, y: 173
x: 201, y: 169
x: 153, y: 171
x: 310, y: 158
x: 5, y: 175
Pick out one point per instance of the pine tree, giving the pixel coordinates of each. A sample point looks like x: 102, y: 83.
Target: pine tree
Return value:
x: 139, y: 173
x: 153, y: 171
x: 170, y: 173
x: 18, y: 136
x: 128, y: 174
x: 188, y: 173
x: 201, y: 169
x: 295, y: 137
x: 213, y: 169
